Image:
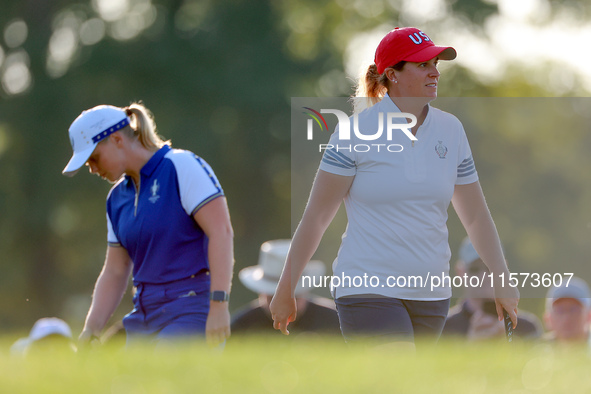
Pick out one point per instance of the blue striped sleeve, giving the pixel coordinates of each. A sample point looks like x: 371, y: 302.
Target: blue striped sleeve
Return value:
x: 466, y: 168
x: 337, y: 159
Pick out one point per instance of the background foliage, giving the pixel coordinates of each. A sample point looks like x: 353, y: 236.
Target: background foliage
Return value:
x: 219, y: 76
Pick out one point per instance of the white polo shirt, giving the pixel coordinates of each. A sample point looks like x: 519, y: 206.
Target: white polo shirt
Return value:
x: 397, y: 204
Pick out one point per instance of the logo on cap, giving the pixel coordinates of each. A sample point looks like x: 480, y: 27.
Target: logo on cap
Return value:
x: 418, y: 38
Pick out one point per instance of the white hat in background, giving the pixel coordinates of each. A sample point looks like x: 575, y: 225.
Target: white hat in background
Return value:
x: 577, y: 289
x: 49, y: 326
x: 42, y: 328
x: 263, y: 278
x: 90, y: 128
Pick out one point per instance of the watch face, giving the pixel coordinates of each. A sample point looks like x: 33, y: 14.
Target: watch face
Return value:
x: 219, y: 295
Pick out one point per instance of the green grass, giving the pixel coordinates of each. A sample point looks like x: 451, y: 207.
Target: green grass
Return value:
x: 299, y: 365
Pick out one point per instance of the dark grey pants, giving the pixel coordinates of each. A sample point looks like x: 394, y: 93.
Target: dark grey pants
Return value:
x: 390, y: 319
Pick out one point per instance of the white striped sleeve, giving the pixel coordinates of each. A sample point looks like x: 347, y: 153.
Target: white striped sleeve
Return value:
x: 111, y: 237
x: 198, y: 184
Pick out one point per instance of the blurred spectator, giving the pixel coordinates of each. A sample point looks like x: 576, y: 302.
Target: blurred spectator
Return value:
x: 315, y: 314
x: 475, y: 316
x: 47, y: 333
x: 568, y: 312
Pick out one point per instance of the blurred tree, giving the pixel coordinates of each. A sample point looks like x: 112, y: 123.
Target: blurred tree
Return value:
x: 218, y: 77
x: 214, y: 78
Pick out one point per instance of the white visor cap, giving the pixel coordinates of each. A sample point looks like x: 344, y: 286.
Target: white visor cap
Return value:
x: 88, y: 129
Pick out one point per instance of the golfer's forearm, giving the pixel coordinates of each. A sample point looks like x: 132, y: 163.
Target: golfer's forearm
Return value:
x: 471, y: 207
x: 324, y: 202
x: 109, y: 290
x: 221, y: 259
x: 303, y: 246
x: 305, y: 242
x: 485, y: 239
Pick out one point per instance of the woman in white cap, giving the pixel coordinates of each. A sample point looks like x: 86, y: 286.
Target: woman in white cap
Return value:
x: 396, y: 204
x: 168, y: 223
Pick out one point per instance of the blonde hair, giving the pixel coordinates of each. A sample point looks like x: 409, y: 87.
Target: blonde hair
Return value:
x: 372, y: 86
x: 143, y: 127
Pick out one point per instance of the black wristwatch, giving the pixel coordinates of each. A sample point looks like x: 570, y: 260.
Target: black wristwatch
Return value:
x: 219, y: 296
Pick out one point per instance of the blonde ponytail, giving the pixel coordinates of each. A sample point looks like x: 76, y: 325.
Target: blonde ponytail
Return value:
x: 372, y: 87
x: 143, y: 127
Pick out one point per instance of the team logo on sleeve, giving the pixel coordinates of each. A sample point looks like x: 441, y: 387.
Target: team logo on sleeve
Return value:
x: 441, y: 150
x: 154, y: 190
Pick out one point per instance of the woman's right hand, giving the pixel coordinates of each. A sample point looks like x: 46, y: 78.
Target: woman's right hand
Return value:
x: 283, y: 310
x: 88, y: 336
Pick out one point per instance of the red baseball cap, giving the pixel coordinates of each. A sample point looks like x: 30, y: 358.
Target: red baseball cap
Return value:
x: 409, y: 44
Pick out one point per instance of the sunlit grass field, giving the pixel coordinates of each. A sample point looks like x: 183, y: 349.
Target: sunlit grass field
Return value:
x: 305, y: 364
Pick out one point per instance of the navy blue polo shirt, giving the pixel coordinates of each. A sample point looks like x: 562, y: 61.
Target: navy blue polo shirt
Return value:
x: 155, y: 224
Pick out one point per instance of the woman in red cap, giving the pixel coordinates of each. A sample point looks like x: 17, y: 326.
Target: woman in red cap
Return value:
x: 396, y: 241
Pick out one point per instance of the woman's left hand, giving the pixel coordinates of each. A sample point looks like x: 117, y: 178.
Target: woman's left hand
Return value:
x: 217, y: 328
